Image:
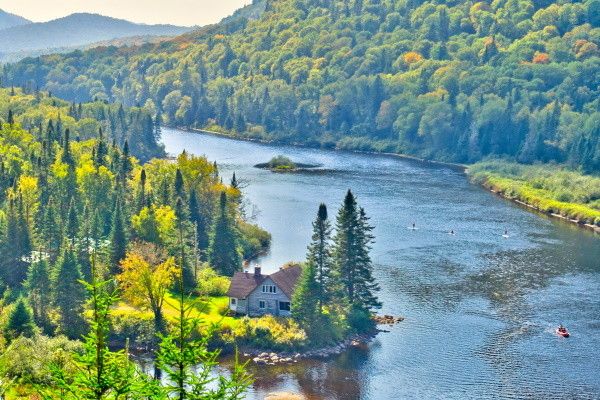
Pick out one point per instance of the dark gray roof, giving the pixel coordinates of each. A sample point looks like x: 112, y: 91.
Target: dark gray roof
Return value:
x: 243, y: 283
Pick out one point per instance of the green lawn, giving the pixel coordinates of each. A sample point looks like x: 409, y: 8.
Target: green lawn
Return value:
x: 210, y: 310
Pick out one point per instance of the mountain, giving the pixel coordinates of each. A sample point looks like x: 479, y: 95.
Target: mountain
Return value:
x: 76, y: 30
x: 449, y: 80
x: 249, y: 12
x: 8, y: 20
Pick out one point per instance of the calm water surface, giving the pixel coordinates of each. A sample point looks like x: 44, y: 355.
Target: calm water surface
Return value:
x: 480, y: 309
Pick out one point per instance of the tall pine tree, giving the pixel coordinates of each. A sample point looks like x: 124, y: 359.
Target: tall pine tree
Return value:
x: 223, y: 252
x: 352, y: 245
x: 68, y: 295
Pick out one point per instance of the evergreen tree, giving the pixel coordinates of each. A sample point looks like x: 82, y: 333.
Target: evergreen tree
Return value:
x: 179, y: 186
x: 223, y: 252
x: 199, y: 220
x: 20, y: 321
x: 352, y: 244
x: 39, y: 292
x: 158, y: 120
x: 15, y: 245
x: 72, y: 226
x: 118, y: 238
x: 320, y: 256
x: 101, y: 150
x: 366, y: 288
x: 67, y: 157
x: 68, y: 295
x: 306, y: 301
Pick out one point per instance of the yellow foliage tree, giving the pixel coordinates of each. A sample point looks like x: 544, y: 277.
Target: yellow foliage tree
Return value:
x: 148, y: 274
x: 412, y: 57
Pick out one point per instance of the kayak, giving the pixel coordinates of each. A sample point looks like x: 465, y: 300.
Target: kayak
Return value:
x: 564, y: 333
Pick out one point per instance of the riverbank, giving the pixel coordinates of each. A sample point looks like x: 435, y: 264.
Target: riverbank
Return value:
x: 549, y: 189
x: 266, y: 357
x: 236, y: 136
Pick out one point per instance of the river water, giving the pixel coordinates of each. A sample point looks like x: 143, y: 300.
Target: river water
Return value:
x: 480, y: 309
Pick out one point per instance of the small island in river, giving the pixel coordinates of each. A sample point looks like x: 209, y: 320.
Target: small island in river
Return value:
x: 282, y: 163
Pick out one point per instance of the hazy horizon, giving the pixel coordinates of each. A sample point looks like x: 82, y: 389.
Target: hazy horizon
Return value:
x: 176, y: 12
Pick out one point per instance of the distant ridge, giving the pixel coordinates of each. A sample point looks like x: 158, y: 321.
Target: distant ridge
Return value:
x: 8, y: 20
x: 75, y: 30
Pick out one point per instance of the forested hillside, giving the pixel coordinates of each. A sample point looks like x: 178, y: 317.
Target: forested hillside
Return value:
x: 38, y: 113
x: 451, y: 80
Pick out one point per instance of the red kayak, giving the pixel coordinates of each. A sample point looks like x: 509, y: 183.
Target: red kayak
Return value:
x: 564, y: 332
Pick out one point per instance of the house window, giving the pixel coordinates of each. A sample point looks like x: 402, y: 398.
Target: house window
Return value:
x: 284, y: 306
x: 233, y: 302
x: 269, y: 289
x: 261, y: 304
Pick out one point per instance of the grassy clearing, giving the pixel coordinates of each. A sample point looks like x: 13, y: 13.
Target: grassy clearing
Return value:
x: 211, y: 310
x: 550, y: 188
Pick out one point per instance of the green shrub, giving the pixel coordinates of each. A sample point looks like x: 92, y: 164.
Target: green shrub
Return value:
x: 269, y: 333
x: 27, y: 360
x: 211, y: 284
x: 360, y: 320
x: 136, y: 327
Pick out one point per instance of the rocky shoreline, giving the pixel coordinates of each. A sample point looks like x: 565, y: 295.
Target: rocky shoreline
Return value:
x: 263, y: 357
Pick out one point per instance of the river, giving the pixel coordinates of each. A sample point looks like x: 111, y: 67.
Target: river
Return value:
x: 480, y: 309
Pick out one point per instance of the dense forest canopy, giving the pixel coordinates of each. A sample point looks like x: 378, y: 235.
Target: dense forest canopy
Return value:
x: 452, y: 80
x: 40, y: 112
x: 67, y: 190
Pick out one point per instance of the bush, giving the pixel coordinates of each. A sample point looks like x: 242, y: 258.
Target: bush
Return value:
x: 269, y: 333
x: 27, y: 360
x: 360, y: 320
x: 136, y: 327
x: 211, y: 284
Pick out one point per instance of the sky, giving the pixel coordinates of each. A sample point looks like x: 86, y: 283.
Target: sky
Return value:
x: 177, y: 12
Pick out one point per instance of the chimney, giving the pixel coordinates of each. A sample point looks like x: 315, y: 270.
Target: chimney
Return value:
x: 256, y: 271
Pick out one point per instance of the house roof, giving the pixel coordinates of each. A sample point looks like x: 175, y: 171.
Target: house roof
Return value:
x: 244, y: 283
x: 286, y: 279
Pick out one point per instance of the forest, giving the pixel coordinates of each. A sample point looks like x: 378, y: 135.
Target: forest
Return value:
x: 448, y: 80
x: 79, y: 211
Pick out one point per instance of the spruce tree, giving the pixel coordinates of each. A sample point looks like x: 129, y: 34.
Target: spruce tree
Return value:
x: 179, y: 186
x: 39, y: 289
x: 223, y: 252
x: 366, y: 287
x: 68, y: 295
x: 118, y: 238
x: 20, y: 321
x: 101, y: 150
x: 352, y: 245
x: 305, y: 301
x: 199, y: 220
x: 234, y: 182
x: 320, y: 256
x: 72, y: 225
